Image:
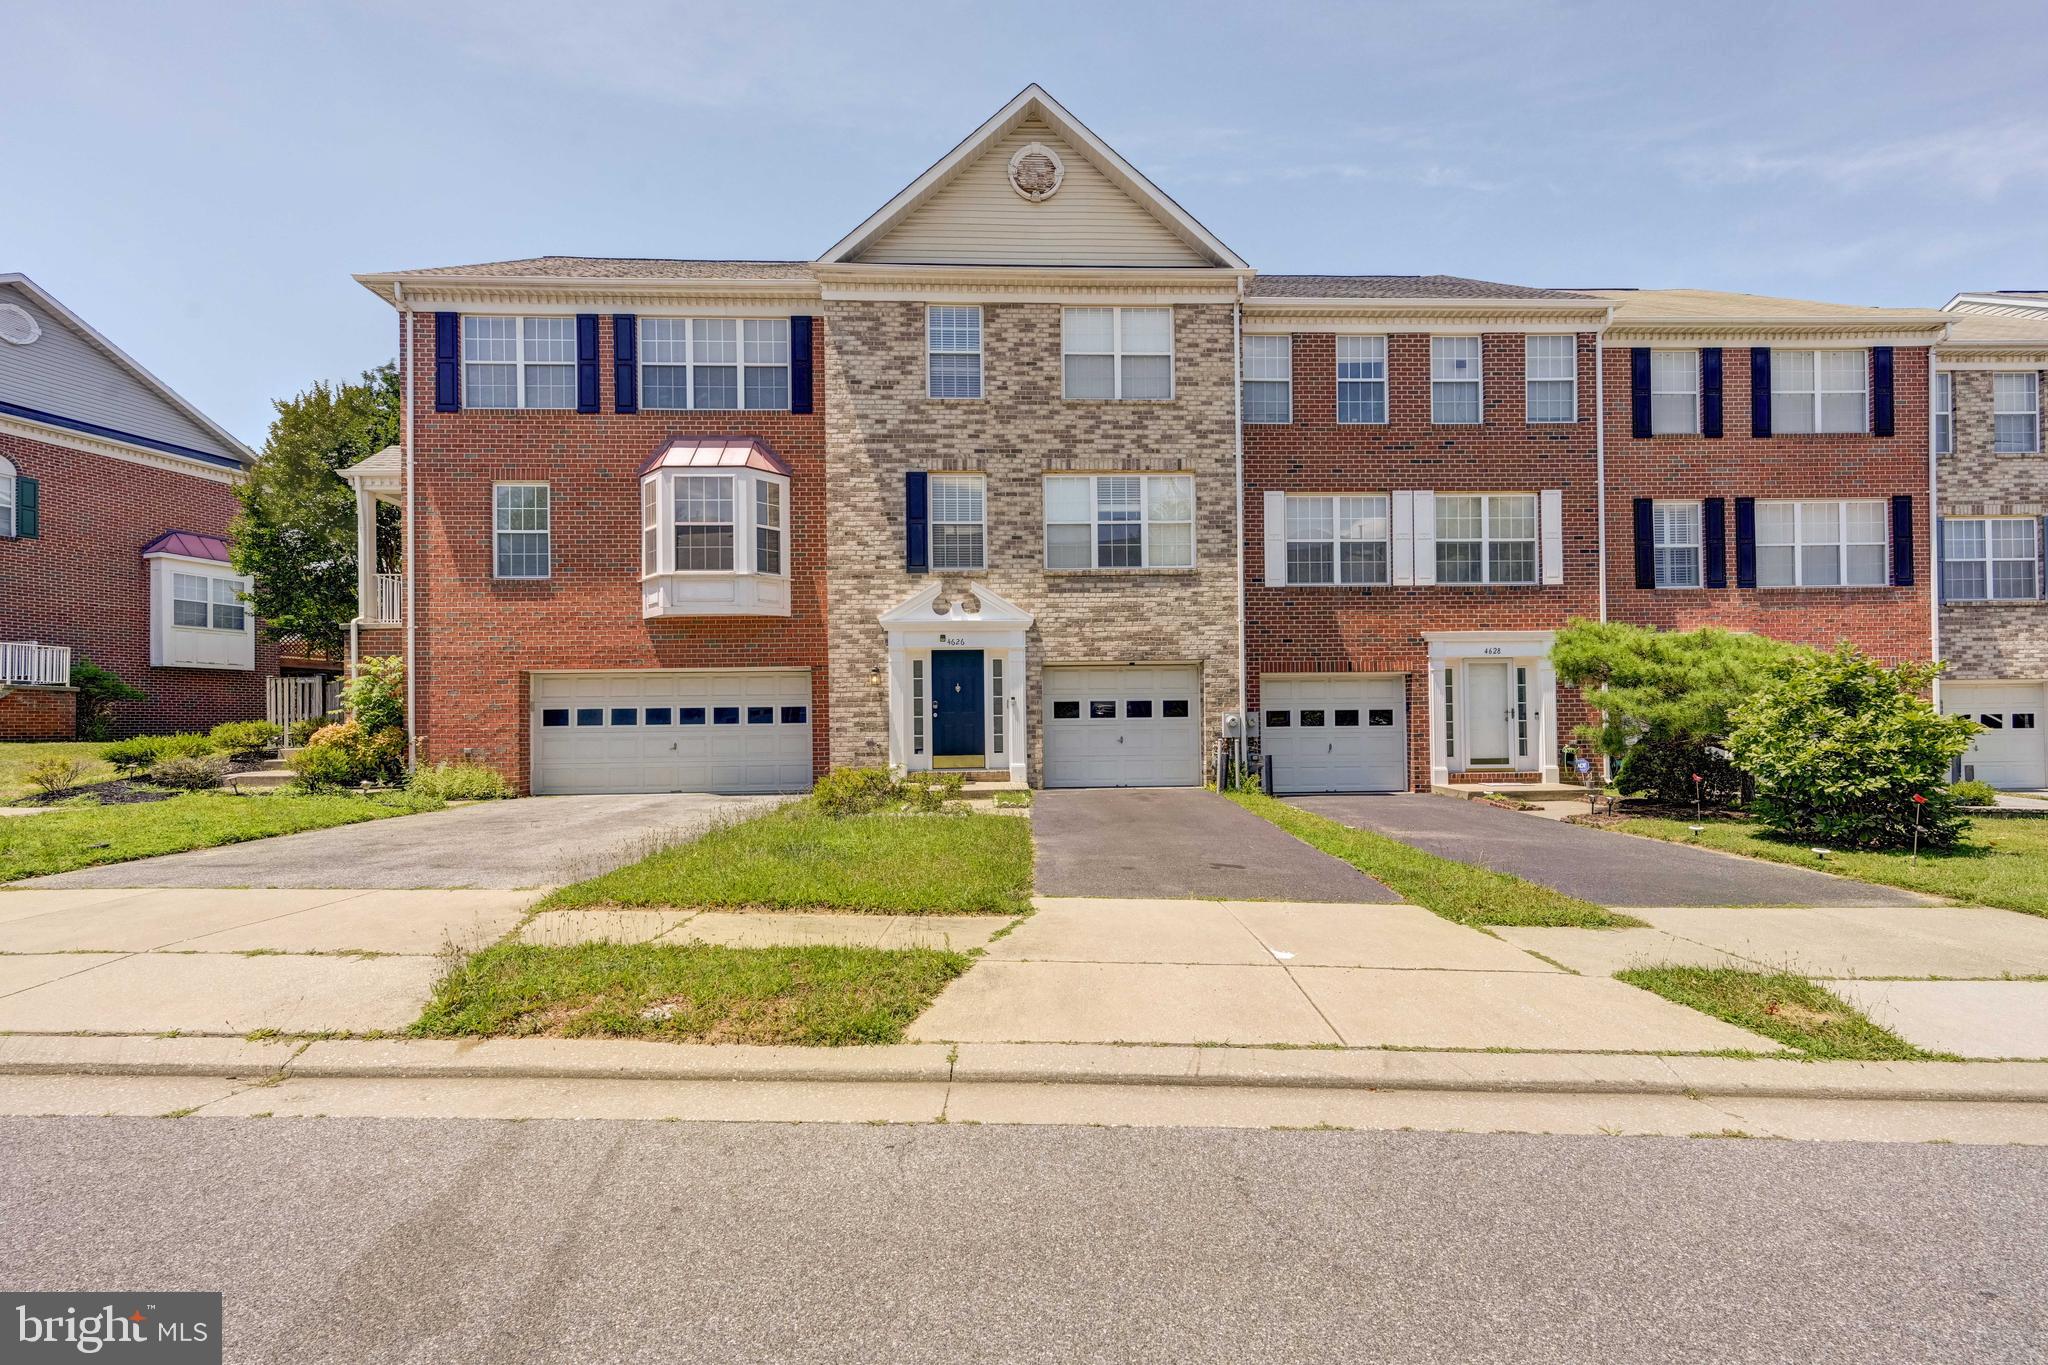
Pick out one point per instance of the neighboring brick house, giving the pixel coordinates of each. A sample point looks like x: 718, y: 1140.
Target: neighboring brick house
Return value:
x: 1993, y: 485
x: 115, y: 496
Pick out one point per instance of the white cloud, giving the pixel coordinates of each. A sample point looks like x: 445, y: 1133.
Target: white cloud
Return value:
x: 1980, y: 161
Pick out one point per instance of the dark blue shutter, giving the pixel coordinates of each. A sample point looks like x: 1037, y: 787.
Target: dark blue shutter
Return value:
x: 1745, y: 542
x: 1902, y: 541
x: 1714, y: 540
x: 1759, y: 393
x: 1646, y: 543
x: 800, y: 365
x: 586, y: 362
x: 625, y: 366
x: 447, y: 362
x: 1710, y: 391
x: 1881, y: 392
x: 1639, y: 389
x: 28, y: 509
x: 916, y: 528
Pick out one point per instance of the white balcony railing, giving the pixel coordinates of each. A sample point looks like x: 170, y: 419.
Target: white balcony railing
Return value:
x: 389, y: 608
x: 28, y: 664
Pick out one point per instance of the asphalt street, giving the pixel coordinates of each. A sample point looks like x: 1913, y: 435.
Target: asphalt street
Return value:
x: 402, y: 1240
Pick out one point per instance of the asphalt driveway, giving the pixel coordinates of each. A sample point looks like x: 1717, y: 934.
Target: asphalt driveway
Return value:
x: 539, y: 841
x: 1596, y: 865
x: 1179, y: 843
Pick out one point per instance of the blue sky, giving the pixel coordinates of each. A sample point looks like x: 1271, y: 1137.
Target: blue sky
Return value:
x: 199, y: 180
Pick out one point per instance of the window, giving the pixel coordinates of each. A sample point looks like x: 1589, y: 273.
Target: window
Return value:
x: 1821, y: 544
x: 190, y: 600
x: 1123, y: 353
x: 1175, y: 709
x: 1552, y: 368
x: 555, y: 717
x: 625, y: 715
x: 704, y: 527
x: 767, y: 526
x: 1138, y: 708
x: 522, y: 529
x: 999, y: 709
x: 1450, y: 713
x: 1990, y: 559
x: 650, y: 528
x: 7, y: 524
x: 519, y: 362
x: 590, y: 715
x: 1819, y: 391
x: 1066, y: 710
x: 1486, y: 538
x: 2016, y: 413
x: 917, y: 706
x: 660, y: 715
x: 228, y: 611
x: 1120, y: 521
x: 796, y: 715
x: 1944, y: 414
x: 1102, y: 710
x: 1362, y: 379
x: 1269, y: 379
x: 1337, y: 539
x: 953, y: 352
x: 1521, y: 711
x: 1453, y: 380
x: 1674, y: 393
x: 714, y: 363
x: 1277, y: 720
x: 694, y: 522
x: 1676, y: 527
x: 959, y: 537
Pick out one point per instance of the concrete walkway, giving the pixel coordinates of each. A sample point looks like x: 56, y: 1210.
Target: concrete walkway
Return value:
x: 1180, y: 842
x: 1601, y: 866
x: 736, y: 929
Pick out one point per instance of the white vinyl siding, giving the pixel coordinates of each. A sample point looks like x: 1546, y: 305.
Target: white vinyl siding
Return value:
x: 1674, y: 393
x: 1337, y: 539
x: 1551, y: 366
x: 1819, y: 391
x: 1676, y: 527
x: 959, y: 533
x: 714, y: 364
x: 1944, y: 414
x: 1117, y: 353
x: 1994, y: 559
x: 1455, y: 395
x: 1119, y: 521
x: 512, y: 362
x: 1268, y: 379
x: 2016, y: 413
x: 1486, y: 538
x: 521, y: 530
x: 1821, y: 544
x: 953, y: 351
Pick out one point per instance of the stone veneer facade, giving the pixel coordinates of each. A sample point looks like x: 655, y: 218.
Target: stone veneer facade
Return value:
x: 1991, y: 640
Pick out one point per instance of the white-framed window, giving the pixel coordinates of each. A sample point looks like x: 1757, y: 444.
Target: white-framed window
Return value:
x: 1990, y: 559
x: 1269, y: 379
x: 205, y: 602
x: 714, y: 364
x: 1822, y: 544
x: 1676, y: 536
x: 1337, y: 539
x: 999, y: 711
x: 952, y: 339
x: 1486, y: 538
x: 8, y: 525
x: 514, y: 362
x: 522, y: 521
x: 1674, y: 393
x: 2016, y: 412
x: 650, y: 528
x: 1819, y: 391
x: 1454, y: 384
x: 768, y: 529
x: 704, y: 519
x: 1362, y: 380
x: 1119, y: 521
x: 1119, y: 353
x: 1551, y: 366
x: 714, y: 522
x: 1944, y: 413
x: 917, y: 706
x: 959, y: 522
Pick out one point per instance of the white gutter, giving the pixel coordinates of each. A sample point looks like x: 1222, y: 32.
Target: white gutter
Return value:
x: 1244, y: 723
x: 1600, y: 452
x: 405, y: 406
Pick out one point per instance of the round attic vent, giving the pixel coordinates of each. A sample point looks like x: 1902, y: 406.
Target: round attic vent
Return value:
x: 16, y: 325
x: 1036, y: 172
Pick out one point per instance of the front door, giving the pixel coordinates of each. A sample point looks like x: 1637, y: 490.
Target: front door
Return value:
x: 1486, y: 714
x: 956, y: 708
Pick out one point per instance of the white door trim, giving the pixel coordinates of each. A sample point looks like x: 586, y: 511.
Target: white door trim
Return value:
x: 1525, y: 649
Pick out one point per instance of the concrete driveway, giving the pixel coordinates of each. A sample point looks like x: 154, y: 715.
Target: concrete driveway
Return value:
x: 1180, y: 843
x: 1596, y: 865
x: 539, y: 841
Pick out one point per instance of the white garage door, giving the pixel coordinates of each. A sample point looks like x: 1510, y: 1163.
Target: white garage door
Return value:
x: 677, y: 731
x: 2010, y: 751
x: 1139, y: 726
x: 1335, y: 732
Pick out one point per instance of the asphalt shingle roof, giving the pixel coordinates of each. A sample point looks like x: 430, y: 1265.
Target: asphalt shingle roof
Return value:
x: 1397, y: 287
x: 623, y: 268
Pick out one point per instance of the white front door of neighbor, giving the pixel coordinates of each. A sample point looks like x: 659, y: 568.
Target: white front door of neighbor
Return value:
x: 2010, y: 750
x: 1136, y: 726
x: 1487, y: 721
x: 1335, y: 732
x: 677, y: 730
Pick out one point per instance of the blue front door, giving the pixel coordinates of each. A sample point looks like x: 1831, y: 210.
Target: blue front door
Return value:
x: 956, y: 708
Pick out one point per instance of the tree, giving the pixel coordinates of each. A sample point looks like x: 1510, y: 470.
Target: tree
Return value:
x: 1665, y: 697
x: 296, y: 535
x: 98, y: 691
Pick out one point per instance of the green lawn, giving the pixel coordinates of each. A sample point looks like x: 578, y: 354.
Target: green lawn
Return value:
x: 17, y: 755
x: 796, y: 858
x: 1790, y: 1009
x: 2003, y: 863
x: 83, y: 836
x: 822, y: 996
x: 1457, y: 891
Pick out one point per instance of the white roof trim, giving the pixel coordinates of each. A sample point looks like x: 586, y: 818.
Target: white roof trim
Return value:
x: 1998, y: 301
x: 1034, y: 99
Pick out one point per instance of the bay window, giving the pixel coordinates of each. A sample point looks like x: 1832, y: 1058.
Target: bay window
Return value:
x: 1120, y: 521
x: 2016, y: 413
x: 1454, y: 384
x: 714, y: 530
x: 1486, y: 538
x: 1990, y: 559
x: 715, y: 364
x: 1337, y: 539
x: 1269, y: 379
x: 1362, y: 380
x: 1821, y: 544
x: 1117, y: 353
x: 514, y: 362
x: 1819, y: 391
x: 959, y: 533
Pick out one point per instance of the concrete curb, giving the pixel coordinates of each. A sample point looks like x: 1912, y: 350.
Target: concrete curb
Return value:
x: 554, y: 1059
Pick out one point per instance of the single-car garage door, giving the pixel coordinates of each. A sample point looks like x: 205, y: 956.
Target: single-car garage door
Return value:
x: 673, y: 731
x: 2011, y: 750
x: 1335, y: 732
x: 1136, y: 726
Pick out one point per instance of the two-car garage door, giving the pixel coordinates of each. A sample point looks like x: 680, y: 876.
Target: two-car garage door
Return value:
x: 1335, y: 732
x: 672, y: 731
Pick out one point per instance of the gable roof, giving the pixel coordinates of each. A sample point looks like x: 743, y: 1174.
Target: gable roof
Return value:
x: 1034, y: 104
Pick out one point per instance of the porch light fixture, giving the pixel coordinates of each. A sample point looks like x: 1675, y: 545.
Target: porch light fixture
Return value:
x: 874, y: 677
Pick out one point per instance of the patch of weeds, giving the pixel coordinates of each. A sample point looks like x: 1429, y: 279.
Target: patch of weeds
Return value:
x: 1724, y: 1133
x: 1786, y: 1008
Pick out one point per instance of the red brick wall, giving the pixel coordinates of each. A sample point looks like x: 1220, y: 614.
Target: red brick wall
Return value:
x: 83, y: 582
x: 1349, y: 629
x: 1892, y: 623
x: 479, y: 638
x: 38, y: 713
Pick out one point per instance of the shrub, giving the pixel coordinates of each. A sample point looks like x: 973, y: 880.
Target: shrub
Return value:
x: 192, y: 772
x: 458, y: 782
x: 146, y: 751
x: 1974, y: 793
x: 303, y: 730
x: 1664, y: 769
x: 853, y: 791
x: 244, y: 739
x: 929, y: 791
x: 375, y: 697
x: 346, y: 755
x: 54, y: 774
x: 98, y: 690
x: 1840, y: 745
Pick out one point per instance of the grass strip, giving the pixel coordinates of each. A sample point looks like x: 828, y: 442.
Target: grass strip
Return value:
x: 1780, y: 1006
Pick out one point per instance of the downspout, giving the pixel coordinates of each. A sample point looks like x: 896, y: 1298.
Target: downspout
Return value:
x: 405, y: 406
x: 1244, y: 723
x: 1934, y: 516
x: 1600, y: 450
